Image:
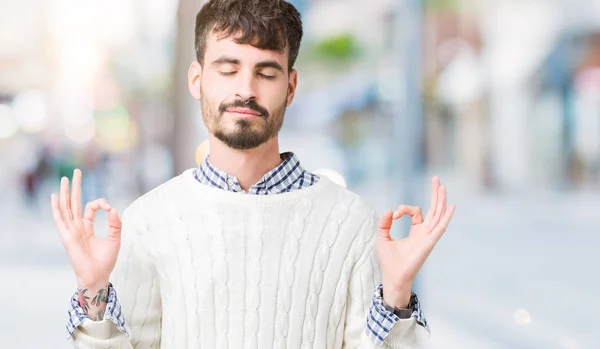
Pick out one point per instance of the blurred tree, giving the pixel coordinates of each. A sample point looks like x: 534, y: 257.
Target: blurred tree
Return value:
x: 341, y: 47
x: 440, y: 4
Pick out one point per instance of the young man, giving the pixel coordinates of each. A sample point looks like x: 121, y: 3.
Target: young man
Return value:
x: 248, y: 250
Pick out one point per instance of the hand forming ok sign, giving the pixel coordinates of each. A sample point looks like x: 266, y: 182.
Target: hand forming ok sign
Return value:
x: 402, y: 259
x: 93, y: 258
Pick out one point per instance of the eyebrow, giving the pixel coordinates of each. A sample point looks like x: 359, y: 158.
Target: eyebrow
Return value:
x: 264, y: 64
x: 225, y: 60
x: 269, y: 64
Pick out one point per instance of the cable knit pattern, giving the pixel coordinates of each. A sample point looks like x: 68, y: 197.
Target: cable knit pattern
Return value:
x: 201, y: 267
x: 254, y: 254
x: 322, y: 258
x: 293, y: 236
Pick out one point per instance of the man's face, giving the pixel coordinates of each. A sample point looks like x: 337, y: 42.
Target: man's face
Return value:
x: 244, y: 91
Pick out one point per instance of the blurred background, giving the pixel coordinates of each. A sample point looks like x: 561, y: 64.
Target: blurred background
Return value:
x: 501, y: 98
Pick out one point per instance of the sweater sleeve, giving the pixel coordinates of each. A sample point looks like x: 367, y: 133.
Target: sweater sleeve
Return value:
x: 362, y: 288
x: 135, y: 282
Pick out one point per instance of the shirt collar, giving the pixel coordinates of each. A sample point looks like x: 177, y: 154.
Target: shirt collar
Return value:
x: 281, y: 179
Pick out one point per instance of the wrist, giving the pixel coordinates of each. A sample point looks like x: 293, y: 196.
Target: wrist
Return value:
x: 397, y: 297
x: 92, y: 286
x: 93, y: 300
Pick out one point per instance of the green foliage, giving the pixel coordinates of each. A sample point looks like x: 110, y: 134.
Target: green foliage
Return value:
x: 440, y: 4
x: 342, y: 47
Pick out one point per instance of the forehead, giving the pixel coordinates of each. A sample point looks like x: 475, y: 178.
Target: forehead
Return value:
x: 246, y: 53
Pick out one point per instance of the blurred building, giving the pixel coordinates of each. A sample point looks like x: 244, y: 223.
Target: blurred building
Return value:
x: 507, y: 88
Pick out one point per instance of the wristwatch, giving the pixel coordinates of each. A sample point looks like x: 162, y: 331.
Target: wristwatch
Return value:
x: 399, y: 312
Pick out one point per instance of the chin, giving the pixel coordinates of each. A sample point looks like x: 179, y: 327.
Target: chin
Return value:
x: 242, y: 140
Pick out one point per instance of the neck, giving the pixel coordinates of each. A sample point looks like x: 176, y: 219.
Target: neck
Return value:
x: 248, y: 166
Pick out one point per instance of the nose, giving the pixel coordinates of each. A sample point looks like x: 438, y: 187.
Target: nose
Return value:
x: 246, y: 89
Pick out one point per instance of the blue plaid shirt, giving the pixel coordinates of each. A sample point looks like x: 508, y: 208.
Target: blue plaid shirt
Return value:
x: 286, y: 177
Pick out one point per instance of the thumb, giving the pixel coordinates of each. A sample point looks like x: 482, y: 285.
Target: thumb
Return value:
x: 384, y: 225
x: 114, y: 224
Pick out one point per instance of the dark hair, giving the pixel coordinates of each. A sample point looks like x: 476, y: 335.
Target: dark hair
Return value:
x: 264, y: 24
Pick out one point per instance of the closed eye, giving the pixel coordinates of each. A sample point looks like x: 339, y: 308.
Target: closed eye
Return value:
x: 268, y: 77
x: 227, y: 73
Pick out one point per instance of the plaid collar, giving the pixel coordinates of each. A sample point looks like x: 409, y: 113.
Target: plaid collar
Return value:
x: 288, y: 176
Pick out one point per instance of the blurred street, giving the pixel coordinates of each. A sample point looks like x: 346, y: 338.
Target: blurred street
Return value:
x: 500, y: 98
x: 534, y: 251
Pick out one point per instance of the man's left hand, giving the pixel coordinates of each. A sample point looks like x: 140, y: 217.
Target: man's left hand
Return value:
x: 402, y: 259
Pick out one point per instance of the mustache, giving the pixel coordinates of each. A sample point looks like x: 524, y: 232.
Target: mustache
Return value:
x: 250, y: 104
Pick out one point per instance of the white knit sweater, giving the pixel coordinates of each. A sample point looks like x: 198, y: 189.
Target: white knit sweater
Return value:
x: 201, y: 267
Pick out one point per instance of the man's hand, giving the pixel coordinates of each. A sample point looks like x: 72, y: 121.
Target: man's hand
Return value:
x: 93, y: 258
x: 402, y: 259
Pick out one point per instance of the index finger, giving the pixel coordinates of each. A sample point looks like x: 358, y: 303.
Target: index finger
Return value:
x: 413, y: 211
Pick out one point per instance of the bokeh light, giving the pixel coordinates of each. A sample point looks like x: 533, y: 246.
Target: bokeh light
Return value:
x: 30, y: 111
x: 522, y: 317
x: 202, y: 152
x: 332, y: 175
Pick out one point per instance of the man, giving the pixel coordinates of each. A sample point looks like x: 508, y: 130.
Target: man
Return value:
x: 248, y: 250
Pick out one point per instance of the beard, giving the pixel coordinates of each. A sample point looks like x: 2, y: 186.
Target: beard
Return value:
x: 243, y: 134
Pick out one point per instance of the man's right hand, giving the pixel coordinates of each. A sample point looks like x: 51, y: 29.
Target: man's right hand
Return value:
x: 93, y: 258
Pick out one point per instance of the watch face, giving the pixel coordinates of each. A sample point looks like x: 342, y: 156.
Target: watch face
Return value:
x: 401, y: 313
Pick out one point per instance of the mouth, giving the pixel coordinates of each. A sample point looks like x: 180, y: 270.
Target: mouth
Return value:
x: 244, y: 113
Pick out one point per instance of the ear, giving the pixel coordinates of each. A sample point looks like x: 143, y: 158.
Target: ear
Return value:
x: 292, y: 84
x: 194, y: 79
